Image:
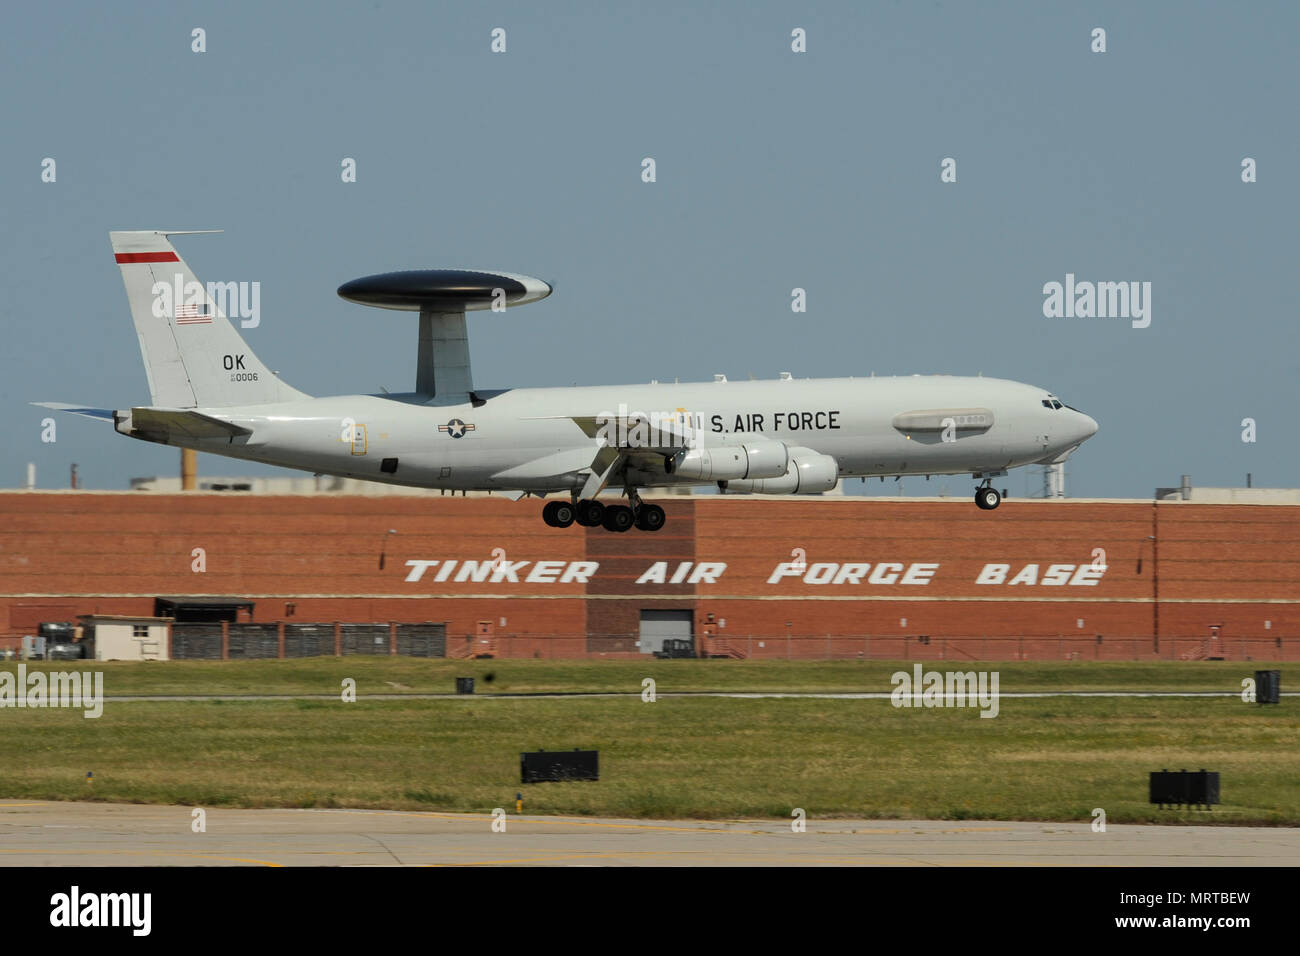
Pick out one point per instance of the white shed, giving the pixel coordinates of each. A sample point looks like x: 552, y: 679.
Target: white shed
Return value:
x: 124, y: 638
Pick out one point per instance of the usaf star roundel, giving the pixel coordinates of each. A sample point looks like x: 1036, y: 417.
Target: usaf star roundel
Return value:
x: 456, y: 428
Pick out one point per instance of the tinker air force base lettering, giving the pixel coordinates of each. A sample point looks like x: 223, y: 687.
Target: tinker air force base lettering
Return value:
x: 500, y: 570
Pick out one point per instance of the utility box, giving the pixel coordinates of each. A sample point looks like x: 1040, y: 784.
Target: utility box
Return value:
x: 676, y: 647
x: 549, y: 766
x: 1181, y: 788
x: 464, y: 685
x: 1268, y: 687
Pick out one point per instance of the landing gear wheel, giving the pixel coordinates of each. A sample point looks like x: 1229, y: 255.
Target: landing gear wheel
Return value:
x: 618, y: 518
x: 558, y: 514
x: 650, y: 517
x: 987, y: 498
x: 565, y: 513
x: 590, y: 514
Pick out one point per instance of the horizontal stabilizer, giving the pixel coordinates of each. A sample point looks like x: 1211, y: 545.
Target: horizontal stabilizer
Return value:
x: 173, y: 425
x: 99, y: 414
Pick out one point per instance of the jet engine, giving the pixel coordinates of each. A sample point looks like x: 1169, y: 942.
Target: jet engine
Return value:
x: 747, y: 458
x: 809, y: 473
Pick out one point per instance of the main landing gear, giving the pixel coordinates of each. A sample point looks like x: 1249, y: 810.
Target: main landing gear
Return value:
x: 986, y: 496
x: 592, y: 514
x: 559, y: 514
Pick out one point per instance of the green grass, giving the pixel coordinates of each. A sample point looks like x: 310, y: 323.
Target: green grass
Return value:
x: 701, y: 757
x: 398, y: 675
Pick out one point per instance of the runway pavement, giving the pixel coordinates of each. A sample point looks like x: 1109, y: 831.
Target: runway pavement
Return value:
x: 582, y: 695
x: 36, y: 833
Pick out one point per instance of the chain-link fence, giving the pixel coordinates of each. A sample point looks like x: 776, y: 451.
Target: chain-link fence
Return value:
x: 249, y: 641
x: 246, y: 641
x: 308, y: 640
x: 196, y: 641
x: 738, y: 646
x: 422, y: 640
x: 253, y: 641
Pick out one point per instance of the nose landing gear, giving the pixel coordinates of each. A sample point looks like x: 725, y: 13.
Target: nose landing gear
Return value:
x: 986, y: 496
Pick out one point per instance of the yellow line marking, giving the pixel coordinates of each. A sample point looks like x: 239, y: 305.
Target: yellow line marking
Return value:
x: 130, y: 852
x: 791, y: 860
x: 237, y: 859
x: 564, y: 856
x: 480, y: 819
x: 743, y: 828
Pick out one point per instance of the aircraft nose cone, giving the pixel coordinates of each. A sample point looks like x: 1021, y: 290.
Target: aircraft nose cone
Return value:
x: 1087, y: 426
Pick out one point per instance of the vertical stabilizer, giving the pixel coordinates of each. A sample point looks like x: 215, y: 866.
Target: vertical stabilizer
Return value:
x: 193, y: 355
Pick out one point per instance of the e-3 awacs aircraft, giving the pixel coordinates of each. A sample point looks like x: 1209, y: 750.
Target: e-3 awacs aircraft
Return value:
x: 210, y: 392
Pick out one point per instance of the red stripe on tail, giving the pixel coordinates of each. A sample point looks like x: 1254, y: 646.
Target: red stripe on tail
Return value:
x: 147, y: 257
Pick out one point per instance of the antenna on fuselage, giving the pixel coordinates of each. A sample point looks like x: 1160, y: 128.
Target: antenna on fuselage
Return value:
x: 442, y: 297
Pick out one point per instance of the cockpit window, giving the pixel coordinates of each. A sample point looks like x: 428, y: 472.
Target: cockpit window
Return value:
x: 1055, y: 403
x: 1046, y: 403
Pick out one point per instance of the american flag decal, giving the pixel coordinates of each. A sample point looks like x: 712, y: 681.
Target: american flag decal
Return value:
x: 193, y: 315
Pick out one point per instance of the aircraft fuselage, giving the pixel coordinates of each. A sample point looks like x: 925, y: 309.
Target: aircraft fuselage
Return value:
x: 525, y: 439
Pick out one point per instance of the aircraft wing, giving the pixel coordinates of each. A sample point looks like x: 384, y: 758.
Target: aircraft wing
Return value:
x: 627, y: 440
x: 600, y: 466
x: 635, y: 432
x: 548, y: 466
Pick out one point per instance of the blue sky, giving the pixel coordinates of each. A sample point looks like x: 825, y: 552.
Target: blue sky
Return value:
x: 775, y: 170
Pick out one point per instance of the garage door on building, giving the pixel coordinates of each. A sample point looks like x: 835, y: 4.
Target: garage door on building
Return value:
x: 660, y: 625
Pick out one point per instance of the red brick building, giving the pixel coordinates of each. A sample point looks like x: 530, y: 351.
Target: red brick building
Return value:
x: 740, y: 576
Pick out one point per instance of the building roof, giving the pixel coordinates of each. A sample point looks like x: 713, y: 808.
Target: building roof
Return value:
x: 205, y: 600
x: 124, y: 619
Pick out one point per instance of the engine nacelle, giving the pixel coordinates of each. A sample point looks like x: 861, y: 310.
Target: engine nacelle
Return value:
x: 809, y: 473
x: 748, y: 458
